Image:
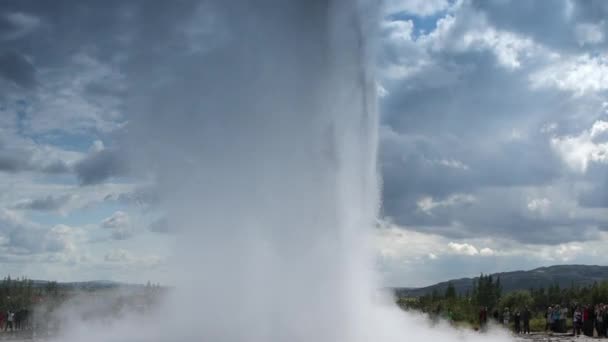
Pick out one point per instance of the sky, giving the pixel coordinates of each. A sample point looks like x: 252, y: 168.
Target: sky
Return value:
x: 493, y: 137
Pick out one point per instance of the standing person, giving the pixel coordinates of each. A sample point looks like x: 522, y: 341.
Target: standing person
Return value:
x: 563, y: 327
x: 517, y: 321
x: 599, y: 320
x: 587, y: 322
x: 577, y: 320
x: 525, y: 316
x: 506, y: 316
x: 18, y: 319
x: 483, y: 317
x: 496, y: 316
x: 595, y: 320
x: 10, y: 318
x: 548, y: 318
x: 557, y: 312
x: 606, y: 320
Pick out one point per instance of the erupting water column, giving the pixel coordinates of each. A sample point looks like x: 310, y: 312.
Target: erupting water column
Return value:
x: 264, y: 144
x: 258, y: 121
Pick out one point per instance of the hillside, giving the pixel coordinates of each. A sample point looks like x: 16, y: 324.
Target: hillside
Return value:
x: 86, y: 285
x: 564, y: 275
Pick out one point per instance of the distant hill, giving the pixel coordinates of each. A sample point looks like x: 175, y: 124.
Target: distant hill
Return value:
x: 564, y: 275
x: 87, y: 285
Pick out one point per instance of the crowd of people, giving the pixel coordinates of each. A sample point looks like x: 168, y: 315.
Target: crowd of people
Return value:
x: 586, y: 319
x: 519, y: 318
x: 556, y: 319
x: 14, y: 320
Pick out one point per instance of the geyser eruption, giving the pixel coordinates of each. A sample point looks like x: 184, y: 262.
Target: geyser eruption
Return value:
x: 258, y: 122
x: 265, y: 148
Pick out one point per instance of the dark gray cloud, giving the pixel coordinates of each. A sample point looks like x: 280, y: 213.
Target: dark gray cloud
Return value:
x: 466, y: 132
x: 596, y: 193
x: 25, y: 238
x: 463, y: 123
x: 100, y: 166
x: 48, y: 203
x: 559, y: 24
x: 595, y: 198
x: 472, y: 133
x: 119, y: 224
x: 22, y: 156
x: 147, y: 196
x: 13, y: 162
x: 101, y: 28
x: 16, y: 68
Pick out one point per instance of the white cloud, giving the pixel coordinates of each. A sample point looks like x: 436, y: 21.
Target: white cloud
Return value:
x: 581, y: 75
x: 416, y: 7
x: 453, y: 163
x: 404, y: 252
x: 463, y: 248
x: 398, y: 30
x: 381, y: 91
x: 475, y: 34
x: 18, y: 153
x: 579, y: 151
x: 507, y: 47
x: 568, y: 251
x: 24, y: 191
x: 589, y: 33
x: 118, y: 255
x: 23, y: 240
x: 397, y: 243
x: 126, y: 259
x: 549, y: 127
x: 406, y: 57
x: 119, y: 224
x: 486, y: 251
x: 97, y: 146
x: 84, y: 96
x: 540, y: 205
x: 598, y: 129
x: 407, y: 245
x: 49, y: 203
x: 64, y: 238
x: 428, y: 204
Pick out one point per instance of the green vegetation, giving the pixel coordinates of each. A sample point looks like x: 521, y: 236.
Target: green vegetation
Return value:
x: 21, y: 293
x: 487, y: 292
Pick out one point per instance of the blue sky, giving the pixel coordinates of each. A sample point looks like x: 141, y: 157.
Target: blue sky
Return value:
x: 494, y: 138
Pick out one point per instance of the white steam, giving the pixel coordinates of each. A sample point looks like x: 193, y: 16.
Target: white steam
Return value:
x: 261, y: 136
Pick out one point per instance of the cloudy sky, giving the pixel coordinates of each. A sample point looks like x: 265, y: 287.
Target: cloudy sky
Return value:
x: 494, y: 138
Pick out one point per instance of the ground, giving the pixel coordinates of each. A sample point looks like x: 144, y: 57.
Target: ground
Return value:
x: 534, y: 337
x: 541, y: 337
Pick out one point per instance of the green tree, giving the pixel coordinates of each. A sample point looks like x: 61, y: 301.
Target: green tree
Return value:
x: 450, y: 291
x: 517, y: 300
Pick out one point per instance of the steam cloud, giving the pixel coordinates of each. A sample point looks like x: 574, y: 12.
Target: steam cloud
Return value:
x: 262, y: 139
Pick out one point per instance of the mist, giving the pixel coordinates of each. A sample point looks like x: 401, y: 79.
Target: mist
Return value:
x: 261, y: 138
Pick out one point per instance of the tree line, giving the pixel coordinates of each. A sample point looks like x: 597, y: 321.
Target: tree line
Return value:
x: 21, y: 293
x: 487, y: 292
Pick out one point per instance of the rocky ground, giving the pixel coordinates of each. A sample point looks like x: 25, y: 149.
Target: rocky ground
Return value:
x: 541, y: 337
x: 534, y: 337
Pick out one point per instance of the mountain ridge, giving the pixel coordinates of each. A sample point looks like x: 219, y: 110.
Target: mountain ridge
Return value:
x: 563, y: 275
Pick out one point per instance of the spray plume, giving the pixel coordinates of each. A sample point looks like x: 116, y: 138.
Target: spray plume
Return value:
x: 261, y: 136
